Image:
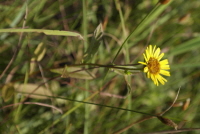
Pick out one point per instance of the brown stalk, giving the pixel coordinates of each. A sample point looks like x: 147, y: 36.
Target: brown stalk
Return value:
x: 147, y: 118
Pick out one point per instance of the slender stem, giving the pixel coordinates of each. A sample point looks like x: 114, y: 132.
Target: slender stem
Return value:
x: 86, y: 102
x: 18, y: 110
x: 94, y: 64
x: 134, y: 31
x: 85, y: 32
x: 35, y: 103
x: 172, y: 103
x: 127, y: 58
x: 18, y: 45
x: 74, y: 108
x: 108, y: 66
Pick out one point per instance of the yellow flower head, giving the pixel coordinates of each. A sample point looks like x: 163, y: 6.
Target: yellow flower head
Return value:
x: 154, y: 66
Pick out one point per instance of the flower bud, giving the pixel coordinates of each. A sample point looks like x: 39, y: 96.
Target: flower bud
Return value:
x: 168, y: 122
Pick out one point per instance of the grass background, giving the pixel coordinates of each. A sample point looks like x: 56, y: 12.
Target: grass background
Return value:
x: 174, y: 27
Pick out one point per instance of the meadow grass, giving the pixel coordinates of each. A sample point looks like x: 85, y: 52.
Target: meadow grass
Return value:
x: 62, y: 66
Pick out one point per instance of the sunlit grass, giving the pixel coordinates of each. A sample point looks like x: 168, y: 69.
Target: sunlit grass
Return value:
x: 112, y: 101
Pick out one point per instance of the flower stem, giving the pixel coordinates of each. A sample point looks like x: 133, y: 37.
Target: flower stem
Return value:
x: 125, y: 67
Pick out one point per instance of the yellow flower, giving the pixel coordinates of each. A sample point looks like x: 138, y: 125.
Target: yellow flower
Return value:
x: 154, y: 66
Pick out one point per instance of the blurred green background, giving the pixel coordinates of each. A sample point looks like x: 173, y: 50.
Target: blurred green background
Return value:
x: 174, y: 27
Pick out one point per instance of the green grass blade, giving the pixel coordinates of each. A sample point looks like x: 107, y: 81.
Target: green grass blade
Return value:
x: 47, y: 32
x: 187, y: 46
x: 143, y: 24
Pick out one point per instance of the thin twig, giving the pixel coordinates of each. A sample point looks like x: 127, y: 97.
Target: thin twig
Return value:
x: 43, y: 77
x: 63, y: 14
x: 45, y: 83
x: 131, y: 125
x: 17, y: 48
x: 108, y: 66
x: 112, y: 95
x: 171, y: 104
x: 10, y: 75
x: 36, y: 103
x: 113, y: 37
x: 6, y: 118
x: 102, y: 105
x: 81, y: 88
x: 29, y: 94
x: 147, y: 118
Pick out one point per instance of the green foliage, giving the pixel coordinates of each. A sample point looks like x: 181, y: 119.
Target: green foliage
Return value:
x: 95, y: 43
x: 74, y: 72
x: 40, y: 41
x: 7, y: 92
x: 47, y: 32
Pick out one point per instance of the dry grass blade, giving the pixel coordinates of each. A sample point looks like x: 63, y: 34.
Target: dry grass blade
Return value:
x: 172, y: 103
x: 17, y: 48
x: 35, y: 103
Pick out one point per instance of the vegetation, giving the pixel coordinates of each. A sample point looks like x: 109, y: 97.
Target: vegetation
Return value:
x: 71, y: 66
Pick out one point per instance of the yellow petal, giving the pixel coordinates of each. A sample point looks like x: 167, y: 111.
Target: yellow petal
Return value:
x: 164, y: 62
x: 157, y: 52
x: 160, y: 56
x: 161, y: 79
x: 165, y: 72
x: 148, y: 75
x: 154, y: 48
x: 165, y: 67
x: 154, y: 80
x: 146, y: 69
x: 150, y: 50
x: 145, y: 57
x: 143, y: 63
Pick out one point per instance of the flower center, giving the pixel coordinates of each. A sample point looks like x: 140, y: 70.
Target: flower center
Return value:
x: 153, y: 66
